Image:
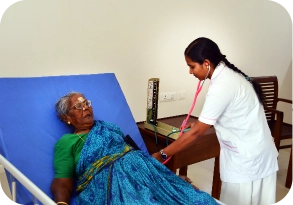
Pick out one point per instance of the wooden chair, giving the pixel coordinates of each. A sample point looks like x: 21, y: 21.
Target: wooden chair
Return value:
x: 279, y: 129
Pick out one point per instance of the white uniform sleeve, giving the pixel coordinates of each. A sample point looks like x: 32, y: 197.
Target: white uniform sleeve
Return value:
x: 217, y: 100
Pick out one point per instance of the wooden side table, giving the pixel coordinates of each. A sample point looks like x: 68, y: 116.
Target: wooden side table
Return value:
x: 206, y: 148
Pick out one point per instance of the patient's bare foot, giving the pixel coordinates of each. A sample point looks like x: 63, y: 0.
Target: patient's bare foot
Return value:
x: 188, y: 180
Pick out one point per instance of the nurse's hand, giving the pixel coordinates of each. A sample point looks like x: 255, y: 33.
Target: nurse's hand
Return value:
x: 157, y: 156
x: 189, y: 125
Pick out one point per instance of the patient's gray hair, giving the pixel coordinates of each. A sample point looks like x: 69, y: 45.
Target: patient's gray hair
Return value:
x: 62, y: 105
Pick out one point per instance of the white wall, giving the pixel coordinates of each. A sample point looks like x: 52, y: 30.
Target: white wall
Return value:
x: 141, y: 39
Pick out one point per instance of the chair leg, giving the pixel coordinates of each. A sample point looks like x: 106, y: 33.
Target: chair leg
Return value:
x: 289, y: 172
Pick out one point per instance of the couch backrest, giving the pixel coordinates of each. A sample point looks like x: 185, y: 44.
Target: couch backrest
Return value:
x: 29, y: 127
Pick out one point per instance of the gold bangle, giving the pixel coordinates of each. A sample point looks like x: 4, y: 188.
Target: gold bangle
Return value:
x: 61, y: 202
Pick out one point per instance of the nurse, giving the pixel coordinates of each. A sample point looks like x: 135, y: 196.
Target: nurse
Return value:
x: 234, y: 106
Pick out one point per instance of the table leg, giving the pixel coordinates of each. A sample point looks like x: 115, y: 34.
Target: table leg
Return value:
x: 183, y: 171
x: 216, y: 189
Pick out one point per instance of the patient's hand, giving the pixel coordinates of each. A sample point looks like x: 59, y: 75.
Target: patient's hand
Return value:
x: 185, y: 178
x: 157, y: 155
x: 61, y: 189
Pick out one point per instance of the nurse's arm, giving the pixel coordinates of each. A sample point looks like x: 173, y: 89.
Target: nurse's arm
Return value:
x: 186, y: 140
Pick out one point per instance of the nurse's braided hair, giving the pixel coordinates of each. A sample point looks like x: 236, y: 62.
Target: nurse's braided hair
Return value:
x: 203, y: 48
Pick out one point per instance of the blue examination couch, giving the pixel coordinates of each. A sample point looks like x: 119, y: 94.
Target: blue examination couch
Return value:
x: 29, y: 127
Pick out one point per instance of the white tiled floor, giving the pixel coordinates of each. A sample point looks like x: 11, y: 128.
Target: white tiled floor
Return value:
x: 201, y: 174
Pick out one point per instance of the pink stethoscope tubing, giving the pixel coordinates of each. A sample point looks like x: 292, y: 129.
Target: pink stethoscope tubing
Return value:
x: 198, y: 89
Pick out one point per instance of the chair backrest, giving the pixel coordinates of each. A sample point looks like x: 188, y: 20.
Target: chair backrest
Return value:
x: 29, y: 127
x: 269, y: 85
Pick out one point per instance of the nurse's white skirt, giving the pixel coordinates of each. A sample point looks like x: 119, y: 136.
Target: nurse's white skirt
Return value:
x: 259, y: 192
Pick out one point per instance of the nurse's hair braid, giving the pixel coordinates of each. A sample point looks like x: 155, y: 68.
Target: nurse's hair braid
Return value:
x: 257, y: 88
x: 203, y: 48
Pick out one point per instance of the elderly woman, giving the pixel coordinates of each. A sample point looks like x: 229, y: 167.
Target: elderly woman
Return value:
x: 108, y: 170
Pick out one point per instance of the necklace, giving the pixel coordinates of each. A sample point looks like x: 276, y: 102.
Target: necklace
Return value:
x: 80, y: 137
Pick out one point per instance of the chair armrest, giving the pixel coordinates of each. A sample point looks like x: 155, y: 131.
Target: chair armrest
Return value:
x: 284, y: 100
x: 279, y: 116
x: 278, y: 113
x: 288, y: 102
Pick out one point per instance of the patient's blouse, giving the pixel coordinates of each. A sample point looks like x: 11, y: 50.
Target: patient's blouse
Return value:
x: 66, y: 154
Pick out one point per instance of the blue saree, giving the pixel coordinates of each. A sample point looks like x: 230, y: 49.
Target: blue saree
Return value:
x: 111, y: 172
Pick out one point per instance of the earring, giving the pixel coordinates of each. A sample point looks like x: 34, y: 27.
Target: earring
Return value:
x: 68, y: 122
x: 207, y: 65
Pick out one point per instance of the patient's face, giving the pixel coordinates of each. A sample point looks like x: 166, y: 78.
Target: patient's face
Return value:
x: 81, y: 119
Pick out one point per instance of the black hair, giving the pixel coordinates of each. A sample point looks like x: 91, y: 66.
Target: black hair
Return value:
x: 203, y: 48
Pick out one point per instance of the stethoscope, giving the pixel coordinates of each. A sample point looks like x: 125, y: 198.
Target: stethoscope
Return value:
x: 198, y: 89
